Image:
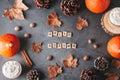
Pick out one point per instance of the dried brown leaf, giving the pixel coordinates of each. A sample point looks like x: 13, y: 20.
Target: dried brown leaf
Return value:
x: 82, y: 23
x: 112, y: 76
x: 70, y: 62
x: 18, y: 4
x: 116, y: 64
x: 53, y: 20
x: 54, y: 71
x: 36, y: 47
x: 16, y: 11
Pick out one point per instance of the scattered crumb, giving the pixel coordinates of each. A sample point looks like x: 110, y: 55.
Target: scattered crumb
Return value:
x: 70, y: 62
x: 36, y: 47
x: 54, y: 71
x: 82, y: 23
x: 116, y: 63
x: 53, y: 20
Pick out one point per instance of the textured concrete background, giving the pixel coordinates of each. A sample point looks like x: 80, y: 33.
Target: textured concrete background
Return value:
x: 39, y: 34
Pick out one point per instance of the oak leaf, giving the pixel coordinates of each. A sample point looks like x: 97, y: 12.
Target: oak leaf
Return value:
x: 82, y: 23
x: 116, y: 63
x: 70, y: 62
x: 112, y: 76
x: 18, y: 4
x: 54, y: 71
x: 16, y: 11
x: 53, y: 20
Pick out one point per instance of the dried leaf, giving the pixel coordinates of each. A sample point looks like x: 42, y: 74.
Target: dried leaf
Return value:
x: 53, y: 20
x: 54, y: 71
x: 36, y: 47
x: 16, y: 11
x: 82, y: 23
x: 18, y: 4
x: 112, y: 76
x: 70, y: 62
x: 116, y: 64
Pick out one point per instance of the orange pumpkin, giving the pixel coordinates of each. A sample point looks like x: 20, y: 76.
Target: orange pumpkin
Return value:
x: 9, y: 45
x: 113, y: 47
x: 97, y: 6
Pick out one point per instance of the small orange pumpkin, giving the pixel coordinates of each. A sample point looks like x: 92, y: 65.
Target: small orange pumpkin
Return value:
x: 9, y: 45
x: 113, y: 47
x: 97, y: 6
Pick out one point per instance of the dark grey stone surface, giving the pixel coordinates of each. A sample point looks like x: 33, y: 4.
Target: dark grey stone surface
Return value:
x: 39, y: 34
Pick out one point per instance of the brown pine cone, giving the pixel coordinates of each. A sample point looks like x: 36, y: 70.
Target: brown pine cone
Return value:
x: 42, y: 3
x: 69, y: 7
x: 101, y: 63
x: 88, y: 74
x: 33, y: 75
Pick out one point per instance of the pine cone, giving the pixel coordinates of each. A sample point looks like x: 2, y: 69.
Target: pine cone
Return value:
x: 101, y: 63
x: 33, y: 75
x: 42, y: 3
x: 88, y: 74
x: 69, y: 7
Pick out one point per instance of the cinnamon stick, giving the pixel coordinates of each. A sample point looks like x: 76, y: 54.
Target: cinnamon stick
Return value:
x: 26, y: 58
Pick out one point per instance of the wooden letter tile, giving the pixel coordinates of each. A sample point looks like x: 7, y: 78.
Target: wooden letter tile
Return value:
x: 64, y: 33
x: 55, y: 33
x: 50, y: 34
x: 54, y: 45
x: 69, y: 34
x: 59, y: 45
x: 68, y: 46
x: 59, y: 34
x: 74, y: 46
x: 64, y: 45
x: 49, y: 45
